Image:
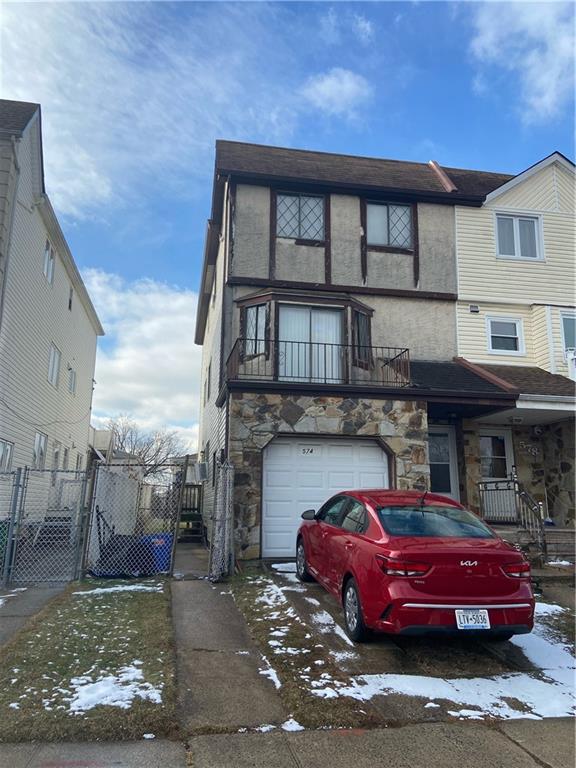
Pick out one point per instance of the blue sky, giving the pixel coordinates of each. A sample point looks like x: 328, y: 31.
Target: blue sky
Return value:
x: 134, y: 95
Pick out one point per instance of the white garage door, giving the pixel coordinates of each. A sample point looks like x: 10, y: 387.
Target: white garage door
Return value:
x: 303, y: 474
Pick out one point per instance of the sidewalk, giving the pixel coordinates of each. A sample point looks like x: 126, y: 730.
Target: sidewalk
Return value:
x: 142, y: 754
x: 16, y: 607
x: 220, y: 683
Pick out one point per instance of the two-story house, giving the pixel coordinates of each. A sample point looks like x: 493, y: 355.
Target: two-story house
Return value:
x: 48, y: 326
x: 328, y: 314
x: 516, y: 323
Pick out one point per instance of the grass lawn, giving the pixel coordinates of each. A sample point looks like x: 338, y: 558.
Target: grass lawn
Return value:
x: 96, y: 664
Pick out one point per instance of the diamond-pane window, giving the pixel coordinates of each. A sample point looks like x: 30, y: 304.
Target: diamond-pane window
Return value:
x: 389, y: 224
x: 300, y: 216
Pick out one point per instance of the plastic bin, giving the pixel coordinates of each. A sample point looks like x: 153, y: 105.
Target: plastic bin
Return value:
x: 161, y: 546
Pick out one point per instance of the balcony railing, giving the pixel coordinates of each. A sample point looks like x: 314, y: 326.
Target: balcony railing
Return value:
x: 317, y: 363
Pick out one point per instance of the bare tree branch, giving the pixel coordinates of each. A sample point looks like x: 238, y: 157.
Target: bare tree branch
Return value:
x: 151, y: 449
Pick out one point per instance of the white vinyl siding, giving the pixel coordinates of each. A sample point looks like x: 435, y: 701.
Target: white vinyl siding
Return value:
x: 35, y: 315
x: 54, y: 365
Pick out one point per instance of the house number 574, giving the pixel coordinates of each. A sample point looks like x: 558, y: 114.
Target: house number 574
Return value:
x: 307, y: 451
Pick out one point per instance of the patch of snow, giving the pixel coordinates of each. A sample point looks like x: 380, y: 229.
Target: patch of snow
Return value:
x: 272, y: 596
x: 119, y: 588
x: 559, y: 562
x: 19, y: 589
x: 14, y: 705
x: 312, y: 600
x: 546, y: 609
x: 265, y: 728
x: 325, y: 624
x: 284, y: 567
x: 118, y: 690
x: 149, y: 736
x: 431, y: 705
x: 269, y: 672
x: 344, y: 655
x: 292, y: 725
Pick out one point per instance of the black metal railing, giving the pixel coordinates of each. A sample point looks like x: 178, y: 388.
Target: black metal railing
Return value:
x: 318, y: 363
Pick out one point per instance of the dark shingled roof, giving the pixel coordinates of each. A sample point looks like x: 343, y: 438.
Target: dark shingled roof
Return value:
x: 15, y: 115
x: 349, y: 170
x: 532, y: 380
x: 450, y: 376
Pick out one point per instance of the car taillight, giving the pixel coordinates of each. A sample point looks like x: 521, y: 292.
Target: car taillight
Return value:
x: 517, y: 570
x: 393, y: 567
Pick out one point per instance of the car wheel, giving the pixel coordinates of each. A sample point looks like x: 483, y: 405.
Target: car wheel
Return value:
x: 353, y: 619
x: 301, y: 567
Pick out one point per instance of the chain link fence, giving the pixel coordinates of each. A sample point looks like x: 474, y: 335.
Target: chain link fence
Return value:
x: 47, y: 521
x: 221, y: 561
x: 134, y: 519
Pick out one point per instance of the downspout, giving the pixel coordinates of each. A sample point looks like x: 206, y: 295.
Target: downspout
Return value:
x: 10, y: 227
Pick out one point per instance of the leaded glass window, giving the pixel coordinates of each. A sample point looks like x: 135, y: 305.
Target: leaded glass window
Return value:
x: 389, y: 224
x: 300, y: 216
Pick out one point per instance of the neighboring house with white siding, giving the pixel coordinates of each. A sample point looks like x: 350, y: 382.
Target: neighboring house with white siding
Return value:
x: 328, y: 317
x: 516, y: 323
x: 48, y: 325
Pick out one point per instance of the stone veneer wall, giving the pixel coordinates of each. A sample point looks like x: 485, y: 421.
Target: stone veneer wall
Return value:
x: 255, y: 419
x: 559, y: 463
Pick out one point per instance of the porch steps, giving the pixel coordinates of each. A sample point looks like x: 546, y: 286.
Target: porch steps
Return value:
x: 560, y: 542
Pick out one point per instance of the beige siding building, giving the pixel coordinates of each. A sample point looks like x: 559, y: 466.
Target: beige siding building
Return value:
x: 48, y: 326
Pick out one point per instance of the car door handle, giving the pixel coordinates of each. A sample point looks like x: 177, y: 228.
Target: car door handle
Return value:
x: 349, y: 545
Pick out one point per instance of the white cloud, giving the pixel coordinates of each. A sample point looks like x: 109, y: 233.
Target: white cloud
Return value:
x: 148, y: 366
x: 330, y: 27
x: 363, y: 29
x: 533, y: 41
x: 134, y: 94
x: 337, y: 92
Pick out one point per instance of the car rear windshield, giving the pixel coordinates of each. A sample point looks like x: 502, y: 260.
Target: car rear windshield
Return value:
x: 433, y: 521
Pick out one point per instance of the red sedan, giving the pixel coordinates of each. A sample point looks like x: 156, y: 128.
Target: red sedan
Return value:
x: 410, y: 563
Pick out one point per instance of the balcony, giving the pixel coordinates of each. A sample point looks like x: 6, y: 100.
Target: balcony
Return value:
x: 317, y: 363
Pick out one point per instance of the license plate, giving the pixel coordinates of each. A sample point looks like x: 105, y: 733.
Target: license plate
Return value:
x: 472, y: 619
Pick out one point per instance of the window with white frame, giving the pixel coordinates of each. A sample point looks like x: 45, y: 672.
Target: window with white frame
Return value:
x: 518, y: 237
x: 54, y: 365
x: 39, y: 453
x: 70, y: 298
x: 71, y: 380
x: 568, y: 331
x: 300, y: 216
x: 56, y: 449
x: 6, y: 450
x: 66, y: 458
x: 78, y: 462
x: 49, y: 262
x: 505, y: 336
x: 389, y: 224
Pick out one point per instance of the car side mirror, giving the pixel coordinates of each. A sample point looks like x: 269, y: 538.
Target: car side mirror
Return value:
x: 309, y: 514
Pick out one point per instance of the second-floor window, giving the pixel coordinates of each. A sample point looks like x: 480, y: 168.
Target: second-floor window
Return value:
x: 254, y: 329
x: 49, y: 262
x: 569, y: 331
x: 207, y: 383
x: 6, y: 449
x: 505, y: 336
x: 70, y: 298
x: 39, y: 452
x: 54, y: 365
x: 388, y: 224
x: 518, y: 237
x: 71, y: 381
x: 300, y: 216
x: 361, y: 339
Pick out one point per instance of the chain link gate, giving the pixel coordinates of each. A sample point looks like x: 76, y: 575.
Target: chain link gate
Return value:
x: 135, y: 514
x: 42, y: 531
x: 221, y: 561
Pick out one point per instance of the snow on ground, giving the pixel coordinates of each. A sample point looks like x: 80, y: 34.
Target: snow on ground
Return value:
x: 559, y: 562
x: 284, y: 567
x: 547, y: 693
x: 120, y: 588
x: 117, y: 690
x: 292, y: 725
x: 269, y: 672
x: 325, y: 624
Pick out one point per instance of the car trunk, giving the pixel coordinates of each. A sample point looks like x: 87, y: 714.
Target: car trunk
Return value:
x: 460, y: 567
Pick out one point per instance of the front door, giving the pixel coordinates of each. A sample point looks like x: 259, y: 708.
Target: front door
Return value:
x: 443, y: 462
x: 497, y: 462
x: 310, y: 344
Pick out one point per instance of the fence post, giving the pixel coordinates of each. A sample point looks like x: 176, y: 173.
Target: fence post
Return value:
x: 11, y: 525
x: 176, y: 527
x: 81, y: 522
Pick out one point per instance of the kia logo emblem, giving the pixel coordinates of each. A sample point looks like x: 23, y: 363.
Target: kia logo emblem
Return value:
x: 468, y: 563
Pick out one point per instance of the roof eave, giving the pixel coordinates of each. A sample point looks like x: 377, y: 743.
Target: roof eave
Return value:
x: 554, y: 157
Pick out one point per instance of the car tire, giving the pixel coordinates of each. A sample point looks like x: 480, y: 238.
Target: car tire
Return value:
x: 302, y: 571
x: 353, y: 618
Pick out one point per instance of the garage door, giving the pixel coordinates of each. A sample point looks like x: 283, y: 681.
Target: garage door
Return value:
x: 303, y: 474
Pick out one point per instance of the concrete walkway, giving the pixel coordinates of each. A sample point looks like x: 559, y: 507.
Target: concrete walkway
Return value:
x: 141, y: 754
x: 220, y: 683
x: 16, y: 607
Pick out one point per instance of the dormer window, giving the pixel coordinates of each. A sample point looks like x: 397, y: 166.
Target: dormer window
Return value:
x: 389, y: 225
x: 300, y: 216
